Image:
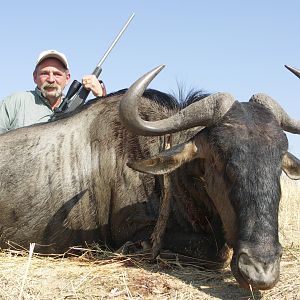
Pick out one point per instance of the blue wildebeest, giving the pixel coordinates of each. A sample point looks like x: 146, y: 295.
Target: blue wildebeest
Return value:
x: 236, y: 161
x: 67, y: 182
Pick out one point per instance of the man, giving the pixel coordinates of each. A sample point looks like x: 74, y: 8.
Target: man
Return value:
x: 51, y: 75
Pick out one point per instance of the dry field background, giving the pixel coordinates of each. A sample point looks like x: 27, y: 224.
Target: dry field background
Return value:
x: 96, y: 274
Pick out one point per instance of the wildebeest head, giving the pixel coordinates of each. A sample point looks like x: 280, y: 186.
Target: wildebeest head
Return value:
x: 243, y: 150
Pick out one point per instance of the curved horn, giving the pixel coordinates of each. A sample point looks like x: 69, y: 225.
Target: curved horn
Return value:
x: 287, y: 123
x: 293, y: 70
x: 201, y: 113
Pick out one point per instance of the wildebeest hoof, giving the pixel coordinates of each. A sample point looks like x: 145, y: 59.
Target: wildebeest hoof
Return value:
x: 126, y: 248
x: 134, y: 247
x: 146, y: 245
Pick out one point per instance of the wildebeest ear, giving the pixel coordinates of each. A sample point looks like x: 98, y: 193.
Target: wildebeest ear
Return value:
x: 168, y: 160
x: 291, y: 166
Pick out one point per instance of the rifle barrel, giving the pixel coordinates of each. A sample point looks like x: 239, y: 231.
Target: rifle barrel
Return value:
x: 80, y: 94
x: 115, y: 41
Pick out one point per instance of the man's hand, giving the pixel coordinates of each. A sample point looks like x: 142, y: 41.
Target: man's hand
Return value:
x: 90, y: 82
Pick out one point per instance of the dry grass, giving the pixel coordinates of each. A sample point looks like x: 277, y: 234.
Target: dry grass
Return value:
x: 289, y: 214
x: 97, y: 274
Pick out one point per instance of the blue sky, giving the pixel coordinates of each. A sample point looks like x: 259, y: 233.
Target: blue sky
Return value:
x: 238, y: 47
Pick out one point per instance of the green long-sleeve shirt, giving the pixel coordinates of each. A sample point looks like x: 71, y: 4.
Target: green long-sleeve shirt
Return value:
x: 23, y: 109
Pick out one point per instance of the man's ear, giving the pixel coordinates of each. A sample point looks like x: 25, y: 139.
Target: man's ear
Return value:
x: 68, y: 76
x: 34, y: 76
x: 291, y: 166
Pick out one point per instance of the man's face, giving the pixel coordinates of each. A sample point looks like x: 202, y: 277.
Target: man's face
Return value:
x: 51, y: 78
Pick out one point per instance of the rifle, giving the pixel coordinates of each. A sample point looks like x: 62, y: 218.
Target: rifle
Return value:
x: 77, y: 94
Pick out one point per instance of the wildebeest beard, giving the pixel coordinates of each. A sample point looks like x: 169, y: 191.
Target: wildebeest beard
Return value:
x: 46, y: 85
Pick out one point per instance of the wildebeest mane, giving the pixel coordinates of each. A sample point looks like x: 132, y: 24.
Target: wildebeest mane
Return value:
x: 168, y: 100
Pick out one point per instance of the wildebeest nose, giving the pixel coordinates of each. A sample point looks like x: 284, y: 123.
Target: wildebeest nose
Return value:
x: 261, y: 274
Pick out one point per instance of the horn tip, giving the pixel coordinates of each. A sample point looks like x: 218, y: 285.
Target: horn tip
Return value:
x: 293, y: 70
x: 156, y: 70
x: 160, y: 67
x: 288, y: 67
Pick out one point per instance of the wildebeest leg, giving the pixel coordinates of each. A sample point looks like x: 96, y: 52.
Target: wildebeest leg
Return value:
x: 200, y: 246
x: 164, y: 212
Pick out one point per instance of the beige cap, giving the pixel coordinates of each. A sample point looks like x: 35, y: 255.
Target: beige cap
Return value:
x: 55, y: 54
